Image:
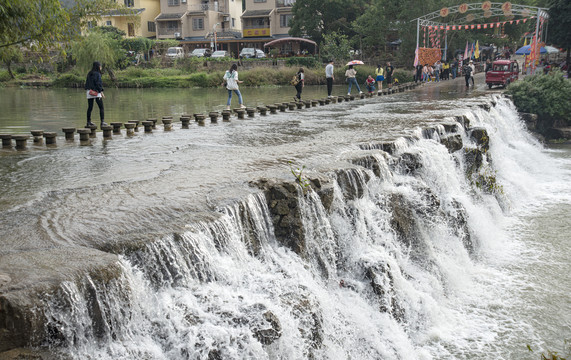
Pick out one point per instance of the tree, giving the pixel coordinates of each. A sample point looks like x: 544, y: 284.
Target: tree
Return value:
x: 560, y: 25
x: 98, y: 46
x: 42, y: 24
x: 316, y: 18
x: 9, y: 55
x: 336, y: 46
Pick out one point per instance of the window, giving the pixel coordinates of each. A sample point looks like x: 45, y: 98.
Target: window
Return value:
x: 174, y: 2
x: 131, y: 29
x: 151, y: 26
x: 259, y: 1
x: 129, y: 3
x: 285, y: 20
x: 198, y: 24
x: 108, y: 23
x: 91, y: 24
x: 233, y: 22
x: 172, y: 26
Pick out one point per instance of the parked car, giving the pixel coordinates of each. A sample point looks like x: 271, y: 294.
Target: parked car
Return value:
x: 201, y: 53
x: 248, y: 53
x: 503, y: 72
x: 260, y: 54
x: 220, y: 54
x: 175, y: 52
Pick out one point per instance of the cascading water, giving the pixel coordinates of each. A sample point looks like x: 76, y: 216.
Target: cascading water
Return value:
x: 409, y: 260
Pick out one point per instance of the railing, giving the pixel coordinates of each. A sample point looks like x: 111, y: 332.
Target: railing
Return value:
x: 161, y: 31
x: 284, y: 3
x: 215, y: 6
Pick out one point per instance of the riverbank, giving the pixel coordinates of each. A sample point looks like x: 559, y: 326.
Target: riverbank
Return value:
x: 192, y: 75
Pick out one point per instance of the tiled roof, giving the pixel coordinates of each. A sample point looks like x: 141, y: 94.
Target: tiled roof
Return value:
x: 257, y: 13
x: 164, y: 16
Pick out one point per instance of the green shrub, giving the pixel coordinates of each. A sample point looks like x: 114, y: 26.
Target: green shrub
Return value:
x: 4, y: 76
x: 545, y: 95
x: 306, y: 61
x: 69, y: 80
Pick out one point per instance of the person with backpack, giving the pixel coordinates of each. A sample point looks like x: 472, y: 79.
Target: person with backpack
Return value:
x: 298, y: 82
x: 231, y: 80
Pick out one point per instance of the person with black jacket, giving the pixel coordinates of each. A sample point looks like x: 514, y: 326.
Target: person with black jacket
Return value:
x: 299, y: 86
x: 94, y: 91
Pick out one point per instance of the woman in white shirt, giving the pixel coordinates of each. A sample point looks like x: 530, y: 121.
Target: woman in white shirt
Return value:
x: 350, y: 75
x: 231, y: 78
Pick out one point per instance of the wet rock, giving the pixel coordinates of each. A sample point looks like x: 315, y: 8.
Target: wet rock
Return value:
x: 558, y: 133
x: 368, y: 162
x: 305, y: 307
x: 463, y: 120
x: 486, y: 107
x: 480, y: 136
x: 33, y: 354
x: 452, y: 142
x: 324, y: 188
x: 408, y: 163
x: 283, y: 203
x: 473, y: 159
x: 458, y: 220
x: 352, y: 183
x: 35, y: 277
x: 382, y: 283
x: 450, y: 128
x: 530, y: 120
x: 271, y: 332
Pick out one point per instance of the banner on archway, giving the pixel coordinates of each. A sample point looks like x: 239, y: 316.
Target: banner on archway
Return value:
x: 429, y: 55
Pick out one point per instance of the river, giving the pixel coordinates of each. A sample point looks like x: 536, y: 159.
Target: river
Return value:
x: 157, y: 246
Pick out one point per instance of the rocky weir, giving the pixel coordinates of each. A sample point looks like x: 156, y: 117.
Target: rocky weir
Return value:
x: 251, y: 277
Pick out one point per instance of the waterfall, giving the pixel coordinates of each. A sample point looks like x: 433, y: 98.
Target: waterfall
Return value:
x: 394, y: 266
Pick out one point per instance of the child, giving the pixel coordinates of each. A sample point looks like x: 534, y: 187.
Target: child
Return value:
x: 370, y: 84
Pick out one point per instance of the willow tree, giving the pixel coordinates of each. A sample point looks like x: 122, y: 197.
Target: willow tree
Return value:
x: 97, y: 46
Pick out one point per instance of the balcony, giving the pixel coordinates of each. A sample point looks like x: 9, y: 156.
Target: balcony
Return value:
x: 284, y: 3
x: 214, y: 6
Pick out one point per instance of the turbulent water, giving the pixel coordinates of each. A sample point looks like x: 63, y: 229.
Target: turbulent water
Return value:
x: 481, y: 274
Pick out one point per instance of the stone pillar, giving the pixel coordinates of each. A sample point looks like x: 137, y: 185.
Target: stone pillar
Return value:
x: 321, y: 102
x: 340, y: 98
x: 327, y: 100
x: 130, y: 128
x: 51, y: 137
x: 263, y: 110
x: 299, y: 105
x: 38, y: 135
x: 69, y: 133
x: 333, y: 100
x: 273, y: 109
x: 240, y: 112
x: 116, y: 127
x: 314, y: 103
x: 213, y: 116
x: 6, y: 140
x: 199, y: 118
x: 93, y: 129
x: 154, y: 121
x: 167, y: 124
x: 185, y: 120
x: 226, y: 115
x: 307, y: 104
x: 361, y: 96
x: 351, y: 97
x: 84, y: 134
x: 251, y: 112
x: 21, y: 141
x: 107, y: 131
x: 148, y: 126
x: 136, y: 122
x: 282, y: 107
x: 347, y: 98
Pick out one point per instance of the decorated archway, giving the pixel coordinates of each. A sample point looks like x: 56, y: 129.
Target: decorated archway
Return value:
x: 434, y: 27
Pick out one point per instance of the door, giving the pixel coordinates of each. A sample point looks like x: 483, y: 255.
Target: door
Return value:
x: 131, y: 29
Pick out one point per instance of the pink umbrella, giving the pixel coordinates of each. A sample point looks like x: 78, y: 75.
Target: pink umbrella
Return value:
x: 355, y: 62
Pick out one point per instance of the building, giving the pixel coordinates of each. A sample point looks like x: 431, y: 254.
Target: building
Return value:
x: 267, y: 20
x: 137, y: 20
x: 195, y: 22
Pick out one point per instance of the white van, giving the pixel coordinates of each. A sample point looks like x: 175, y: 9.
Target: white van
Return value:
x: 175, y: 52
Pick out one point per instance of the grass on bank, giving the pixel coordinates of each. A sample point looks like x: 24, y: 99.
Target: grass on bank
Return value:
x: 190, y: 75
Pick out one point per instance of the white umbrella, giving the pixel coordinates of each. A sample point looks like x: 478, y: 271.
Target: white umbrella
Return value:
x: 551, y: 49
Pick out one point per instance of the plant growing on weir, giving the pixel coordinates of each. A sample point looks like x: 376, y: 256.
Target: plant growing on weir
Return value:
x: 298, y: 174
x: 551, y: 355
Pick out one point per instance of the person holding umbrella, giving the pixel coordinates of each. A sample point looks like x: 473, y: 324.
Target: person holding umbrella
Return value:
x: 351, y: 73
